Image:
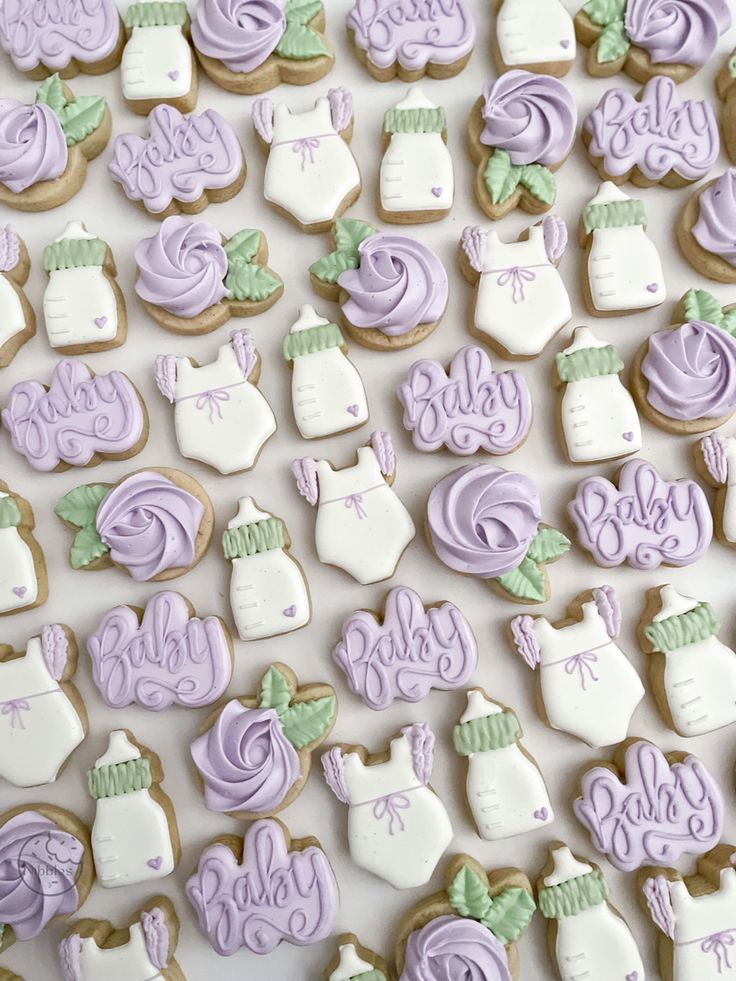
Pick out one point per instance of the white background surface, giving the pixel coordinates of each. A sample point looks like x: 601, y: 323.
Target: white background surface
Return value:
x: 369, y: 907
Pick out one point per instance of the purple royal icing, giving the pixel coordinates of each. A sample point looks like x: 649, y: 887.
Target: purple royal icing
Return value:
x: 715, y: 229
x: 156, y: 936
x: 9, y: 249
x: 55, y: 32
x: 681, y: 32
x: 239, y: 33
x: 32, y: 145
x: 449, y: 948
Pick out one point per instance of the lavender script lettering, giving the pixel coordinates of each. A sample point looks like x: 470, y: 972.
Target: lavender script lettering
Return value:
x: 405, y: 27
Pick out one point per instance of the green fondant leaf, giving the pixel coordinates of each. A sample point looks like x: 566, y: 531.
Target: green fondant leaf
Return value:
x: 247, y: 281
x: 613, y: 43
x: 468, y: 894
x: 526, y: 581
x: 86, y: 547
x: 305, y: 722
x: 299, y: 43
x: 702, y: 305
x: 80, y: 118
x: 10, y: 516
x: 79, y: 506
x: 729, y: 322
x: 243, y: 245
x: 510, y: 914
x: 275, y: 692
x: 605, y: 12
x: 501, y: 177
x: 51, y: 93
x: 329, y: 267
x: 349, y: 233
x: 539, y: 181
x: 302, y: 11
x: 548, y: 544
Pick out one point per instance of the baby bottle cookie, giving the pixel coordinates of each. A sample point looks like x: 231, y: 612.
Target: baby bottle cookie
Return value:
x: 505, y: 789
x: 398, y: 828
x: 42, y: 716
x: 353, y: 962
x: 727, y: 93
x: 716, y: 463
x: 585, y: 932
x: 597, y: 413
x: 17, y: 317
x: 311, y: 175
x: 158, y: 65
x: 362, y: 526
x: 520, y: 299
x: 221, y: 417
x: 586, y: 684
x: 706, y: 230
x: 254, y: 753
x: 134, y: 836
x: 535, y: 35
x: 23, y: 582
x: 327, y: 392
x: 416, y: 181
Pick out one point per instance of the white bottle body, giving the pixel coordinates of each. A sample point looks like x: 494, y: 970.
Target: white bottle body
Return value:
x: 131, y: 840
x: 12, y: 316
x: 18, y: 582
x: 79, y: 307
x: 624, y: 270
x: 700, y: 684
x: 535, y: 32
x: 599, y: 420
x: 416, y: 174
x: 597, y: 944
x: 506, y: 793
x: 268, y: 595
x: 156, y: 64
x: 327, y: 393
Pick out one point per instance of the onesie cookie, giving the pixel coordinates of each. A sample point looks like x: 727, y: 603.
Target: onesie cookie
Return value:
x: 585, y: 683
x: 17, y: 317
x: 622, y: 806
x: 134, y: 836
x: 416, y: 182
x: 45, y: 146
x: 269, y: 595
x: 406, y: 650
x: 154, y: 524
x: 586, y: 934
x: 248, y: 53
x: 254, y: 753
x: 94, y: 950
x: 598, y: 418
x: 715, y: 460
x: 521, y: 131
x: 327, y: 393
x: 727, y: 93
x: 622, y: 272
x: 221, y: 417
x: 467, y: 407
x: 474, y: 922
x: 79, y: 420
x: 311, y: 175
x: 504, y: 787
x: 651, y: 37
x: 520, y: 300
x: 362, y: 525
x: 693, y: 674
x: 47, y: 869
x: 398, y: 827
x: 23, y: 581
x: 38, y: 733
x: 184, y: 164
x: 353, y: 962
x: 83, y: 306
x: 158, y: 65
x: 192, y: 280
x: 394, y: 38
x: 392, y: 289
x: 535, y: 35
x: 254, y: 892
x: 706, y: 230
x: 645, y: 521
x: 485, y: 522
x: 160, y: 656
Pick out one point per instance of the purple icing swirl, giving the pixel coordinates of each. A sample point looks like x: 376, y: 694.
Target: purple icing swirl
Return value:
x: 691, y: 372
x: 182, y: 268
x: 677, y: 32
x: 246, y: 761
x: 55, y: 32
x: 715, y: 229
x: 398, y: 285
x: 531, y: 117
x: 32, y: 145
x: 239, y: 33
x: 450, y: 948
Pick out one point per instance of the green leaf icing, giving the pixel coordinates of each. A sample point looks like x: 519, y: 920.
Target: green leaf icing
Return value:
x: 548, y: 544
x: 349, y: 233
x: 305, y: 722
x: 604, y: 12
x: 79, y: 506
x: 589, y: 362
x: 539, y: 181
x: 415, y: 121
x: 247, y: 281
x: 510, y: 914
x: 51, y: 93
x: 500, y: 176
x: 261, y: 536
x: 374, y: 975
x: 10, y: 516
x: 683, y: 629
x: 312, y: 340
x: 156, y: 14
x: 86, y: 548
x: 702, y: 305
x: 300, y: 43
x: 574, y: 896
x: 302, y: 11
x: 469, y: 895
x: 732, y: 65
x: 729, y: 321
x: 80, y: 118
x: 482, y: 735
x: 119, y: 778
x: 275, y: 691
x: 526, y: 581
x: 613, y: 43
x: 73, y: 253
x: 243, y: 245
x: 615, y: 214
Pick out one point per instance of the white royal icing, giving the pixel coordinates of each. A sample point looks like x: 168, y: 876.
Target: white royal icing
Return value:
x: 18, y: 581
x: 351, y: 964
x: 128, y: 962
x: 535, y: 32
x: 157, y: 64
x: 12, y: 315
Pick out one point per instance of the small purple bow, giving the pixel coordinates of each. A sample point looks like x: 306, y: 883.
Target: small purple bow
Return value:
x: 389, y: 806
x: 356, y: 501
x: 582, y: 663
x: 718, y: 944
x: 13, y: 707
x: 212, y: 399
x: 517, y: 276
x: 306, y: 147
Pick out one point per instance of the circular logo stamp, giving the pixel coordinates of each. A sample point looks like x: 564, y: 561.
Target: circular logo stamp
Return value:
x: 50, y: 863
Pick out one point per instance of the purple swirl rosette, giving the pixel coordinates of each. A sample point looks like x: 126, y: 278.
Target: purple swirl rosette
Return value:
x: 452, y: 947
x: 680, y: 32
x: 32, y: 145
x: 239, y: 33
x: 715, y: 229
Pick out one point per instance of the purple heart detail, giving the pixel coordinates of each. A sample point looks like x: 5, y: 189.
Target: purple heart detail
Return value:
x: 542, y: 814
x: 173, y: 75
x: 437, y: 191
x: 20, y: 591
x: 155, y: 863
x: 565, y: 44
x: 354, y: 409
x: 653, y: 287
x: 634, y: 976
x: 629, y: 437
x: 100, y: 322
x: 290, y: 611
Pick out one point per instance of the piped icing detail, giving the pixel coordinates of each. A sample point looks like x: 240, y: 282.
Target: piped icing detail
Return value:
x: 715, y: 228
x: 55, y: 34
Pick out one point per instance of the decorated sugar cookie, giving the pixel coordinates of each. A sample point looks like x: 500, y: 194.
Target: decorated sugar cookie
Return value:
x: 254, y: 753
x: 158, y: 65
x: 716, y: 462
x: 618, y: 806
x: 23, y: 581
x: 47, y: 869
x: 521, y: 131
x: 398, y: 827
x: 536, y: 35
x: 585, y: 932
x: 184, y: 164
x: 466, y: 408
x: 134, y: 836
x: 45, y: 146
x: 727, y: 93
x: 391, y: 288
x: 586, y: 684
x: 353, y: 961
x: 254, y: 49
x: 505, y: 790
x: 192, y: 280
x: 474, y: 923
x: 485, y: 522
x: 622, y: 272
x: 42, y: 716
x: 269, y: 595
x: 17, y: 318
x: 160, y: 656
x: 83, y: 306
x: 311, y: 175
x: 598, y: 415
x: 94, y: 950
x: 706, y: 230
x: 327, y: 392
x: 520, y: 299
x: 268, y: 889
x: 645, y: 38
x: 362, y: 526
x: 406, y: 650
x: 221, y: 417
x: 416, y: 181
x: 154, y: 524
x: 695, y: 916
x: 645, y: 521
x: 79, y: 420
